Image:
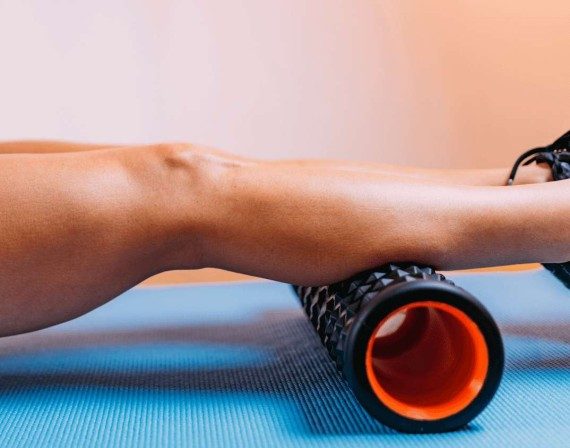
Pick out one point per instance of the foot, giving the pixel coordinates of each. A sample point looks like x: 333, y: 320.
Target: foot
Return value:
x: 557, y: 157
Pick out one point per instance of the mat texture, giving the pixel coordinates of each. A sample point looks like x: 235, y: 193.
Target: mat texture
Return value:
x: 238, y: 365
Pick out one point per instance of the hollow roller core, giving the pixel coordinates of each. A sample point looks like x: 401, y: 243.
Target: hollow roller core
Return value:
x: 427, y: 360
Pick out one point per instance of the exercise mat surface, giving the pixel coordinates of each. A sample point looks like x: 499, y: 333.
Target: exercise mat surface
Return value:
x: 240, y: 365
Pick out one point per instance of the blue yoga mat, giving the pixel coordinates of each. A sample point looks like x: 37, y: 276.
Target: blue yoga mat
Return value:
x: 238, y: 365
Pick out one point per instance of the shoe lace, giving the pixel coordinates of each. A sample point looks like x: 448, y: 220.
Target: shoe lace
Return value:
x: 553, y: 154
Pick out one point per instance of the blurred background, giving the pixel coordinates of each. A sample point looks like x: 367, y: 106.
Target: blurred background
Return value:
x: 446, y: 83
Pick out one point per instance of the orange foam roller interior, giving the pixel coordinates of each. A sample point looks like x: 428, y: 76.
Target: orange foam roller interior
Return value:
x: 427, y: 360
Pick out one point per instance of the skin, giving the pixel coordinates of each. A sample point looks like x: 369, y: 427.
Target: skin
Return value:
x: 484, y: 177
x: 81, y: 224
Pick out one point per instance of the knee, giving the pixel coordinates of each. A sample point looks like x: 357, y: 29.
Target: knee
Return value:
x: 181, y: 183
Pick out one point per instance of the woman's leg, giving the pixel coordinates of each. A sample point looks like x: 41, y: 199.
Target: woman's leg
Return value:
x: 531, y: 174
x: 325, y: 224
x: 495, y: 176
x: 47, y: 147
x: 78, y: 229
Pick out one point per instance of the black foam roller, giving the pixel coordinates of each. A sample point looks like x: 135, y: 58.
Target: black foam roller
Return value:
x: 347, y: 317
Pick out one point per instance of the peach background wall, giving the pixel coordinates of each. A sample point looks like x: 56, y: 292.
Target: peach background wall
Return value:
x: 435, y: 83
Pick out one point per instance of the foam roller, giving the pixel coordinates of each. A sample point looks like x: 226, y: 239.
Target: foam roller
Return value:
x: 420, y: 354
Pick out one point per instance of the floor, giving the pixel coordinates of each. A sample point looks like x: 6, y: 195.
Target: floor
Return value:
x: 237, y: 364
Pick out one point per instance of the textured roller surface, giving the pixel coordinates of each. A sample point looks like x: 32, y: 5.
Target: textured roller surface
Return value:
x: 331, y: 309
x: 239, y: 366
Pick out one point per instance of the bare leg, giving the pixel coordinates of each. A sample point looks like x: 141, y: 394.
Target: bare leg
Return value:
x: 531, y: 174
x: 79, y: 228
x: 47, y: 147
x: 367, y: 220
x: 495, y: 176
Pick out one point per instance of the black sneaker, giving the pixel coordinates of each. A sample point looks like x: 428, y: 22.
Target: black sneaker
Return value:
x: 557, y: 156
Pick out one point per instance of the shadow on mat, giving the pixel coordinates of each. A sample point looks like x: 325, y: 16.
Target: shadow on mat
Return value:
x: 298, y: 370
